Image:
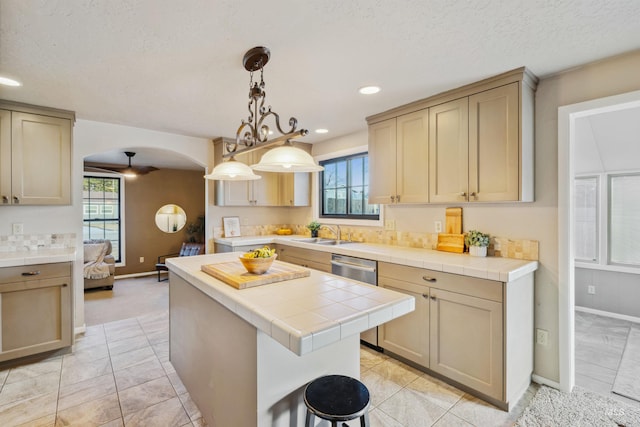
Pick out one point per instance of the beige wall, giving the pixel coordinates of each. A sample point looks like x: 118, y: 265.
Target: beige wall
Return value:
x: 144, y: 195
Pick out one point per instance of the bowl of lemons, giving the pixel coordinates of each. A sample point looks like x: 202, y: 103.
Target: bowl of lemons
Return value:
x: 258, y: 261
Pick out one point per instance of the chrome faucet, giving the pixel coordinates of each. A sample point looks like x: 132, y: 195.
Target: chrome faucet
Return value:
x: 336, y: 231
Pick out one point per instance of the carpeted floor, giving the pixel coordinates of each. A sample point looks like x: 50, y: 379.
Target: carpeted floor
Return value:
x: 129, y: 298
x: 580, y: 408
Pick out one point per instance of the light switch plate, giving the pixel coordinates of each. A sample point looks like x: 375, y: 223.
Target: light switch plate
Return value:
x: 389, y: 224
x: 18, y: 228
x: 438, y: 226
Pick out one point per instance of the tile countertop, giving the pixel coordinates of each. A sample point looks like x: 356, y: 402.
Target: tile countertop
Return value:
x: 40, y: 256
x: 492, y: 268
x: 301, y: 314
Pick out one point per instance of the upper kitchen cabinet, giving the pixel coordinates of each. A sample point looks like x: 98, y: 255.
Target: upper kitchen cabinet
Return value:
x: 398, y: 159
x: 481, y: 146
x: 35, y: 155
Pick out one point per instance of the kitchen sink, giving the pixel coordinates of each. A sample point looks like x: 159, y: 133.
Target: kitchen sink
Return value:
x: 321, y: 241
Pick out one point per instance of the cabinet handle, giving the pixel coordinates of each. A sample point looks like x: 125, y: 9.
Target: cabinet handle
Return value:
x: 425, y: 296
x: 433, y: 297
x: 64, y: 285
x: 397, y: 199
x: 463, y: 194
x: 393, y: 199
x: 30, y: 273
x: 5, y: 199
x: 474, y: 195
x: 429, y: 279
x: 16, y: 200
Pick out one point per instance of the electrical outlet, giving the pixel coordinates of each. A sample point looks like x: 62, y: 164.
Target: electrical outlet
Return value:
x: 18, y: 228
x: 591, y: 290
x: 389, y: 225
x: 141, y: 259
x: 542, y: 336
x: 438, y: 226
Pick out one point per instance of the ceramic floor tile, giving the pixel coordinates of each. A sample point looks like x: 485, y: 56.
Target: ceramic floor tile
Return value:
x: 97, y: 412
x: 190, y: 406
x: 370, y: 358
x: 380, y: 388
x: 139, y: 397
x: 411, y: 409
x: 176, y: 382
x: 30, y: 388
x: 595, y: 371
x: 87, y: 354
x: 134, y: 357
x: 80, y: 371
x: 436, y: 391
x: 85, y: 391
x: 168, y: 413
x: 598, y: 355
x: 396, y: 371
x: 3, y: 377
x: 450, y: 420
x: 479, y: 413
x: 138, y: 374
x: 118, y: 334
x: 25, y: 411
x: 200, y: 422
x: 127, y: 344
x: 159, y: 336
x: 161, y: 350
x: 32, y: 370
x: 46, y: 421
x: 378, y: 418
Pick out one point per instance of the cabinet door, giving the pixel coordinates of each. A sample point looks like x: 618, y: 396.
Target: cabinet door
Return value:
x: 448, y: 151
x: 412, y: 158
x: 466, y: 340
x: 382, y: 162
x: 35, y: 316
x: 5, y: 157
x: 407, y: 336
x: 494, y: 144
x: 40, y: 160
x: 295, y: 189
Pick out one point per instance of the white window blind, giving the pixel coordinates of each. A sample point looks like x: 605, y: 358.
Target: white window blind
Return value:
x: 586, y: 219
x: 624, y: 219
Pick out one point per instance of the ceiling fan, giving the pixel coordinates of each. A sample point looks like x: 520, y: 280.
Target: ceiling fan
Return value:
x: 128, y: 171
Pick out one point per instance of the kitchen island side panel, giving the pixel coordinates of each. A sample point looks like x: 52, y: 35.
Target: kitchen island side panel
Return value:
x: 214, y: 353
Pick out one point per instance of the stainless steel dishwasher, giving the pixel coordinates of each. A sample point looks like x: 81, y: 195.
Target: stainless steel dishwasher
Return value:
x: 363, y: 270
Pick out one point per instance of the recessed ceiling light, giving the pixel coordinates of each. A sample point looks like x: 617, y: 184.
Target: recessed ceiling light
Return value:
x: 9, y: 82
x: 322, y: 130
x: 369, y: 90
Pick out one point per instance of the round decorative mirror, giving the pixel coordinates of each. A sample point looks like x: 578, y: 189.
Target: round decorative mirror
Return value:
x: 171, y: 218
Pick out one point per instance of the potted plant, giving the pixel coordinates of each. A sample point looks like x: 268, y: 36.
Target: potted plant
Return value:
x: 195, y: 230
x: 314, y: 226
x: 477, y: 243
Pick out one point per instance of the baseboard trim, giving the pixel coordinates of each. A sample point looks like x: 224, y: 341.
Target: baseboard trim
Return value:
x: 608, y: 314
x: 132, y: 275
x: 545, y: 381
x: 80, y: 329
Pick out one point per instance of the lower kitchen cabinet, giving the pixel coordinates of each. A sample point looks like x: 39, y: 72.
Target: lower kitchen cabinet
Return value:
x: 475, y: 332
x: 35, y: 309
x: 317, y: 260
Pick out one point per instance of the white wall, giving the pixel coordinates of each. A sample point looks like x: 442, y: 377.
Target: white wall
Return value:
x: 91, y: 138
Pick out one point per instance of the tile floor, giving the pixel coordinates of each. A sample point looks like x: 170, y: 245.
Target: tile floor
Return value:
x: 599, y: 344
x: 120, y: 374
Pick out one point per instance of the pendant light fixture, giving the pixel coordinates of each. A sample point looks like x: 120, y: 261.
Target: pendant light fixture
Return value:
x: 254, y: 132
x: 129, y: 172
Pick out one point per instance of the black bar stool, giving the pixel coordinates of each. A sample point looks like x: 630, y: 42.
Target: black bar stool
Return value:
x: 336, y: 398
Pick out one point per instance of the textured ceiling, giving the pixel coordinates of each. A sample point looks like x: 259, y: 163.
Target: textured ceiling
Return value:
x: 175, y: 66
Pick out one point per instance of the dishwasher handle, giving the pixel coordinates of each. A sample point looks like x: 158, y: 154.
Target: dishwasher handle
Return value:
x: 353, y: 265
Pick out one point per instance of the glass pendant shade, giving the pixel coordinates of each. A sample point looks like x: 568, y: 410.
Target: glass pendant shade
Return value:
x: 287, y: 159
x: 232, y: 170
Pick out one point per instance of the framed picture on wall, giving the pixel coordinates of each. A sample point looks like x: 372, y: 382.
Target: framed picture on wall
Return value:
x: 231, y: 226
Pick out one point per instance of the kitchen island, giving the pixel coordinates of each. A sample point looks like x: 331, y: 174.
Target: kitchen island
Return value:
x: 246, y: 355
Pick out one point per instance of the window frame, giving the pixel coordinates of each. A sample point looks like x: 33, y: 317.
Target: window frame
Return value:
x: 604, y: 232
x: 121, y: 202
x: 316, y: 189
x: 346, y: 216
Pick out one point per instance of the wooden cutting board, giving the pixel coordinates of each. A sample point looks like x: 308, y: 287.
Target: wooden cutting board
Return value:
x: 451, y: 242
x: 453, y: 221
x: 233, y: 273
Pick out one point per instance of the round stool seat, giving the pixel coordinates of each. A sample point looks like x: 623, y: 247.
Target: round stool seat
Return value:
x: 337, y: 398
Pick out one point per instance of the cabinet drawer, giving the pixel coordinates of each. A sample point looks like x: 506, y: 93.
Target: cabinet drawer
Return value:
x: 25, y: 273
x: 480, y: 288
